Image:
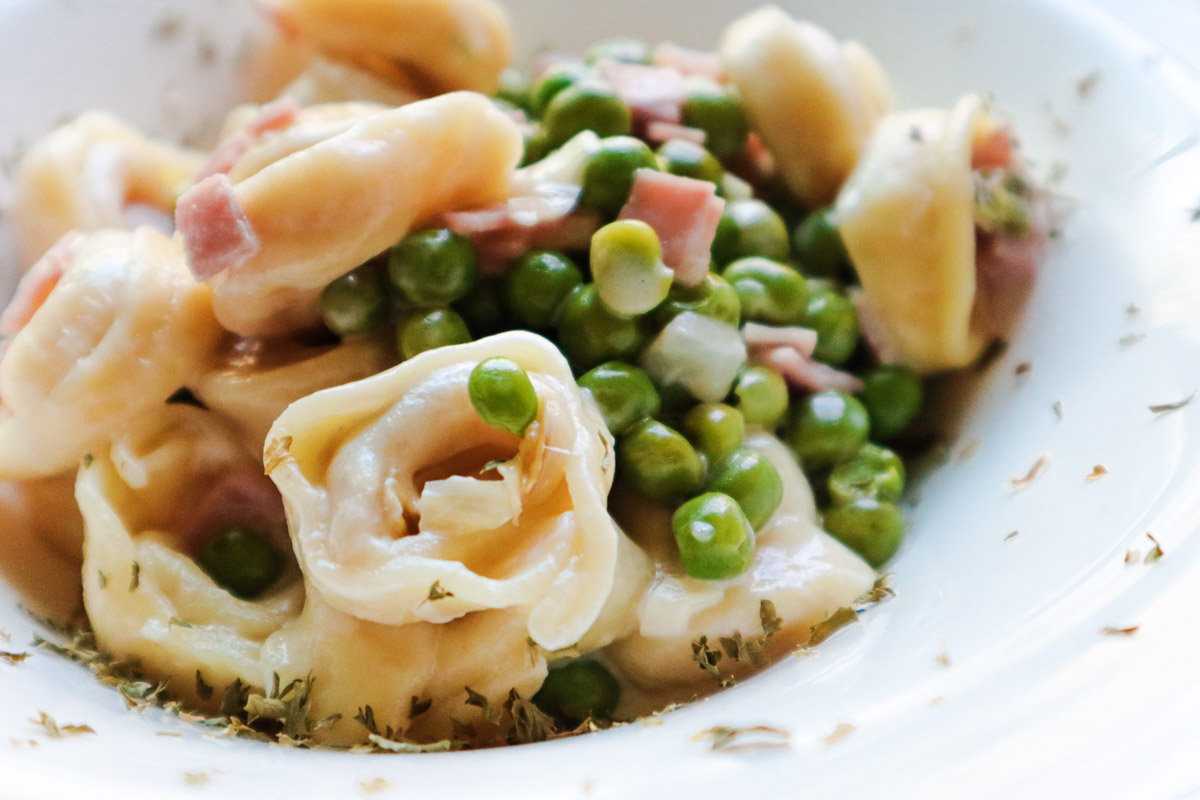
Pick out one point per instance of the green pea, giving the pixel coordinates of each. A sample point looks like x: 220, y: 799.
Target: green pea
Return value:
x: 537, y: 145
x: 768, y: 291
x: 626, y: 51
x: 714, y: 537
x: 818, y: 245
x: 434, y: 267
x: 609, y: 174
x: 874, y: 472
x: 579, y: 690
x: 658, y: 462
x: 536, y: 286
x: 835, y: 320
x: 503, y: 395
x: 893, y: 396
x: 624, y: 393
x: 241, y: 561
x: 627, y: 267
x: 716, y: 110
x: 586, y: 106
x: 681, y: 157
x: 716, y: 430
x: 429, y: 330
x: 750, y: 228
x: 590, y: 334
x: 482, y: 310
x: 713, y: 297
x: 357, y: 302
x: 516, y: 88
x: 751, y: 479
x: 870, y: 527
x: 761, y: 395
x: 827, y: 428
x: 554, y: 80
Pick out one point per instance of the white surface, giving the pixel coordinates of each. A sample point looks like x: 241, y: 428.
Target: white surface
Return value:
x: 1035, y: 702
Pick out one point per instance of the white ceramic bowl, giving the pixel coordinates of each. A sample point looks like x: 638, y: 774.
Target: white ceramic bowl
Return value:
x: 988, y: 674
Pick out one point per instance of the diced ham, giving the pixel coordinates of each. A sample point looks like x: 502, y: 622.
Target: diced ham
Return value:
x: 659, y: 131
x: 758, y: 337
x: 804, y: 373
x: 37, y: 284
x: 652, y: 93
x: 1005, y: 269
x: 546, y: 61
x: 993, y: 150
x: 755, y: 164
x: 684, y: 212
x: 216, y: 232
x: 273, y: 116
x: 700, y: 63
x: 237, y: 499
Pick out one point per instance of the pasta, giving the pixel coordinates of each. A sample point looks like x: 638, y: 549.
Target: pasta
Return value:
x: 121, y: 330
x: 812, y: 100
x: 95, y: 172
x: 148, y: 505
x: 436, y: 419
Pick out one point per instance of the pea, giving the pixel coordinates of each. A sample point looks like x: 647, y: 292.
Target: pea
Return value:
x: 627, y: 51
x: 503, y: 395
x: 714, y: 537
x: 537, y: 284
x: 870, y: 527
x: 433, y: 267
x: 627, y: 267
x: 579, y: 690
x: 586, y: 106
x: 590, y: 334
x: 835, y: 320
x: 658, y: 462
x: 751, y: 479
x: 557, y: 78
x: 715, y: 109
x: 482, y: 310
x: 827, y: 428
x: 241, y: 561
x: 609, y: 174
x: 624, y: 393
x: 761, y: 395
x: 516, y: 88
x: 714, y: 297
x: 429, y: 330
x: 874, y: 472
x: 537, y: 145
x: 716, y: 430
x: 893, y: 396
x: 357, y: 302
x: 681, y: 157
x: 818, y: 245
x: 768, y: 291
x: 750, y: 228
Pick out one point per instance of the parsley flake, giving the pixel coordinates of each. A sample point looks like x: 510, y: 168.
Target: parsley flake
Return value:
x: 754, y: 737
x: 135, y: 576
x: 1163, y: 408
x: 1109, y: 630
x: 831, y: 625
x: 1098, y: 472
x: 1156, y: 552
x: 1016, y: 484
x: 13, y: 658
x: 839, y: 732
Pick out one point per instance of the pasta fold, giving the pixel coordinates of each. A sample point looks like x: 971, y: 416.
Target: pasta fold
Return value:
x: 95, y: 172
x: 405, y: 506
x: 148, y: 506
x: 116, y: 334
x: 813, y: 100
x: 907, y: 217
x: 802, y: 570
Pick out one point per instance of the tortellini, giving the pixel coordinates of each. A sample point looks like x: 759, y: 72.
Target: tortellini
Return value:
x: 148, y: 506
x: 802, y: 570
x: 277, y: 238
x: 813, y: 100
x: 41, y: 549
x: 92, y: 173
x: 444, y: 44
x: 326, y: 80
x: 907, y: 218
x: 123, y: 328
x: 398, y: 492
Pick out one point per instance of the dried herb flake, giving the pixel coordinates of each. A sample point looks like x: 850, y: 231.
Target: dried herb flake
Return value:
x: 754, y: 737
x: 1109, y: 630
x: 831, y: 625
x: 1098, y: 472
x: 1163, y: 408
x: 1030, y: 476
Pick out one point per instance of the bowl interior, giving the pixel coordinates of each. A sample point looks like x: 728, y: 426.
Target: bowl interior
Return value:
x: 985, y: 670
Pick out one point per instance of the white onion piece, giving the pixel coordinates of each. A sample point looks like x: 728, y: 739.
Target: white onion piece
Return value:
x: 699, y: 353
